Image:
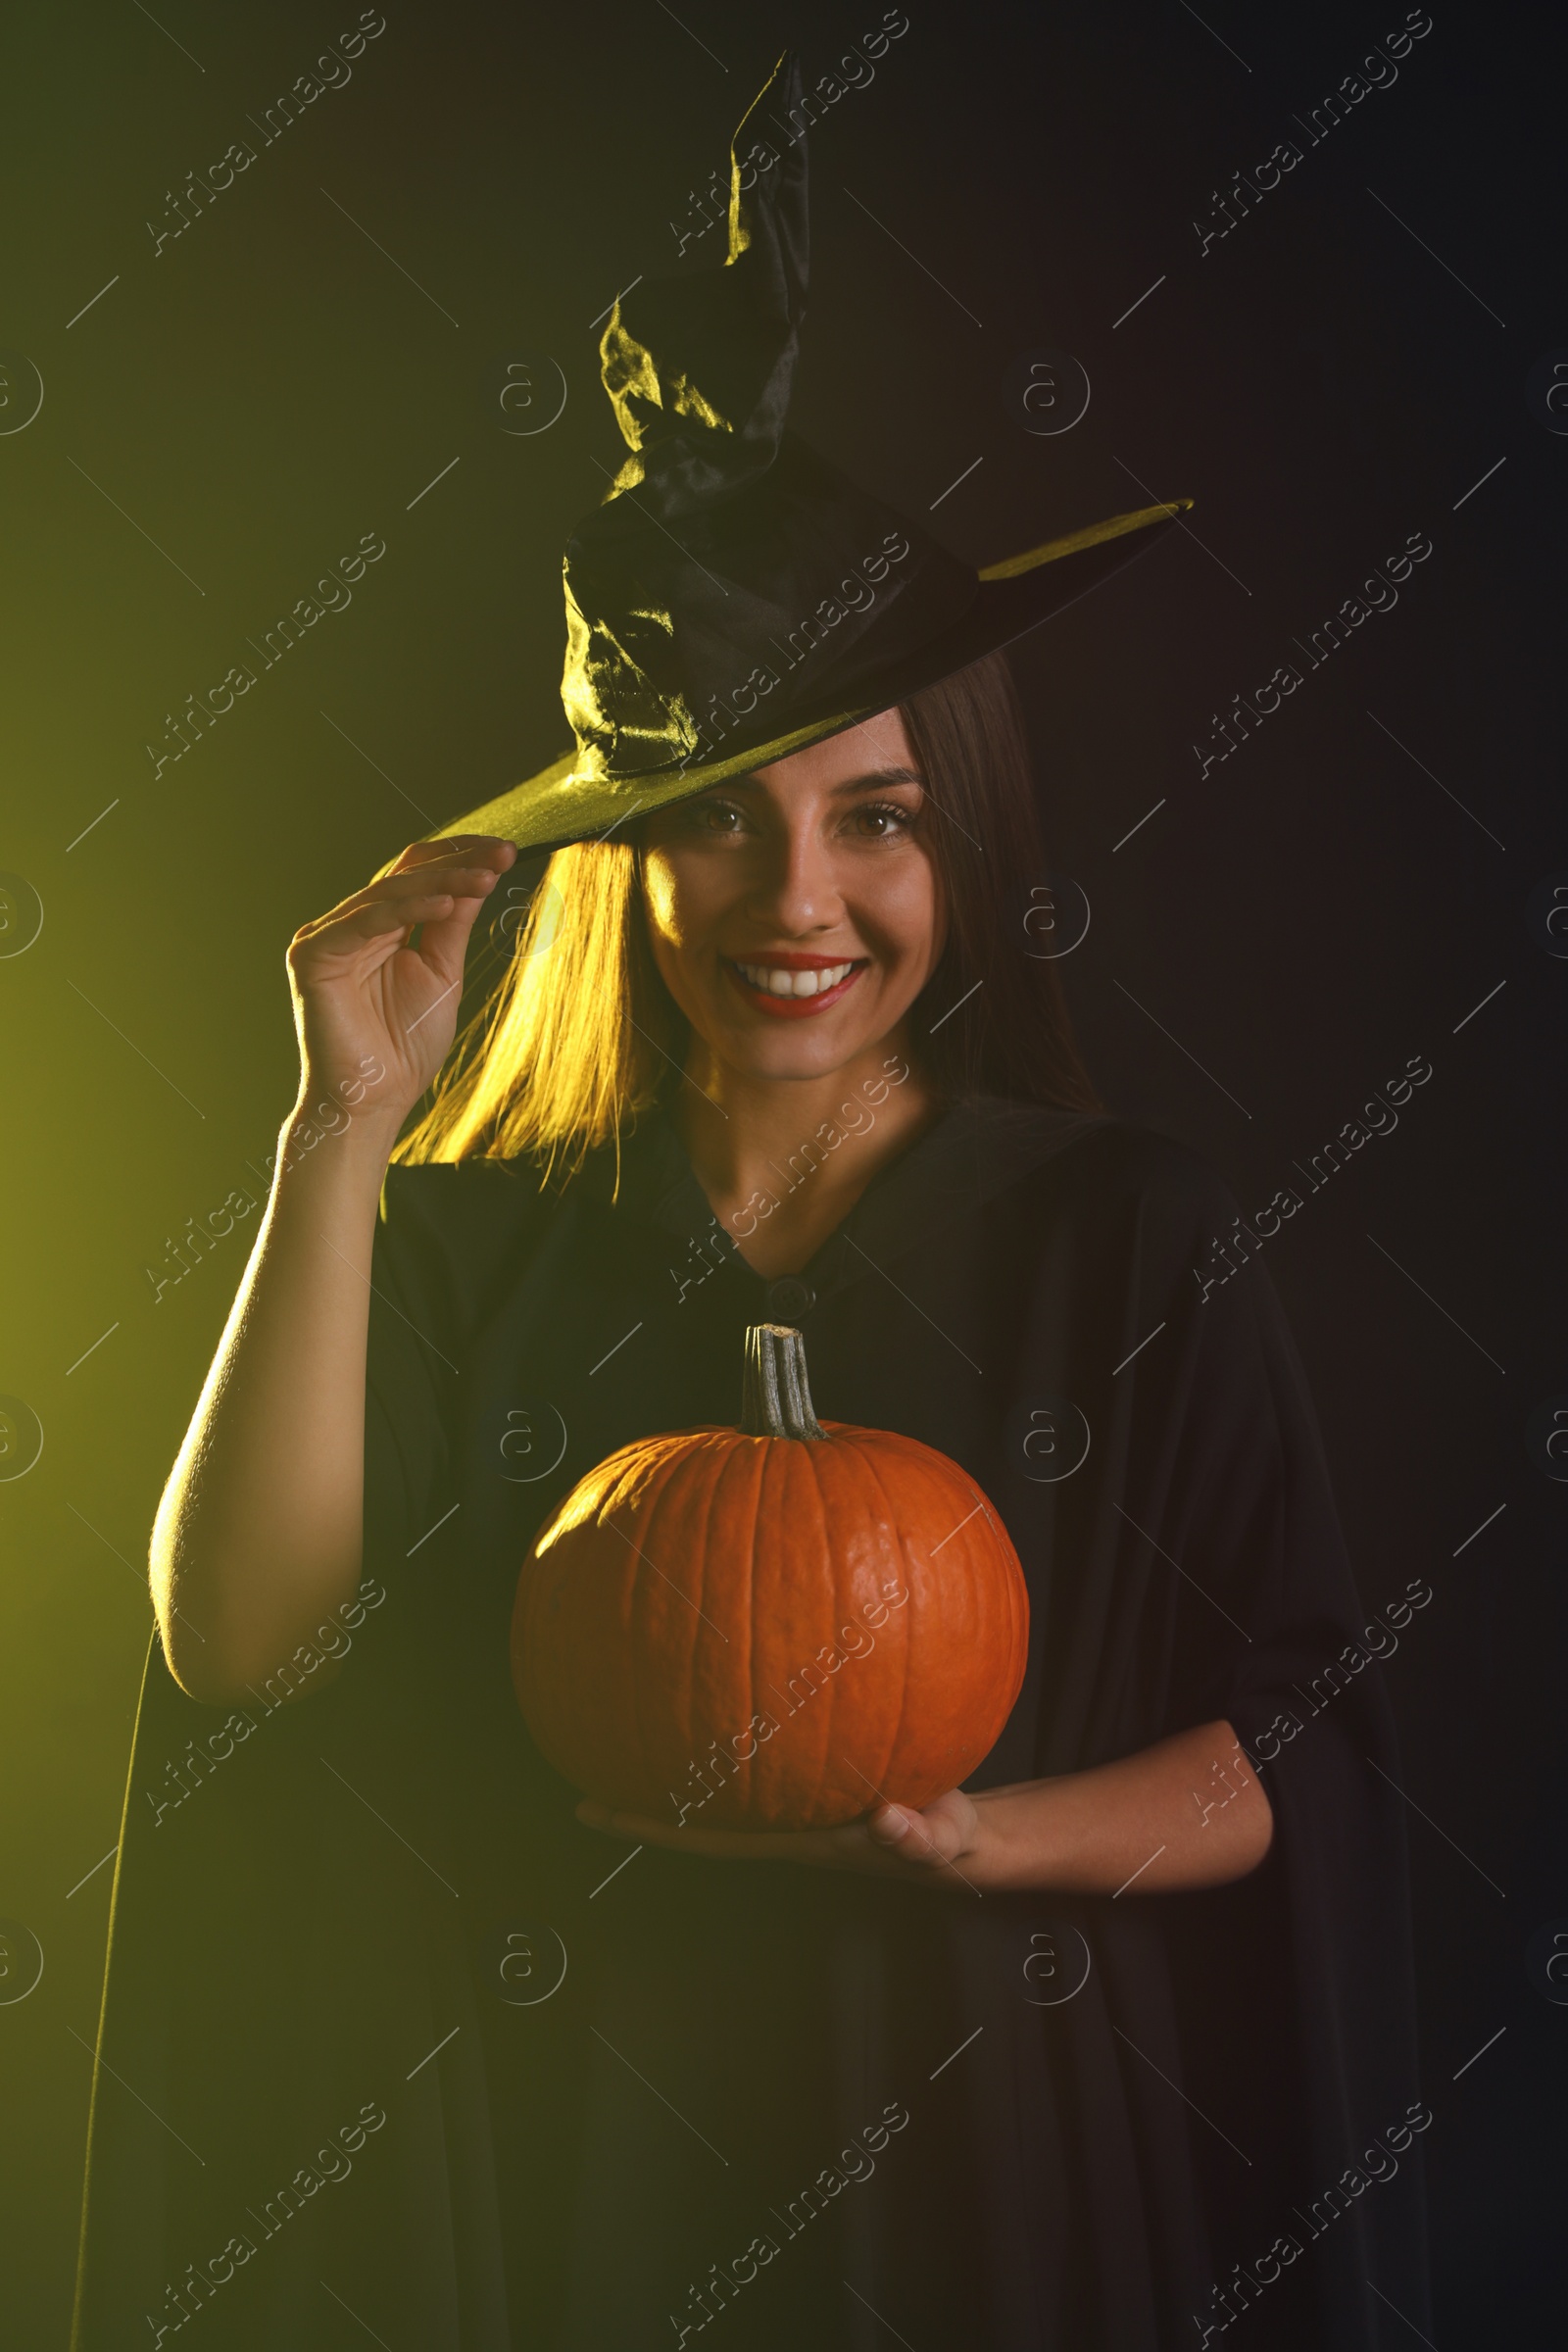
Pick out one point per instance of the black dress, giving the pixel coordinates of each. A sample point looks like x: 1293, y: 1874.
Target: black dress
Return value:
x: 392, y: 2043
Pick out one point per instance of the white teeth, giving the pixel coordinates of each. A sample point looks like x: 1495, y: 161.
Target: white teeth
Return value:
x: 777, y: 982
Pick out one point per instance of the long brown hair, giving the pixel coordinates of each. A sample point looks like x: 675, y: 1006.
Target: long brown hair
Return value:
x: 579, y: 1034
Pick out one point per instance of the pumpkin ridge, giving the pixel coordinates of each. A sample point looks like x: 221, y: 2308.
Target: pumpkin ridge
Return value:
x: 1006, y: 1544
x: 868, y: 1455
x: 775, y: 1489
x: 643, y: 1565
x: 705, y: 1474
x: 752, y: 1765
x: 761, y: 1620
x: 763, y: 1607
x: 742, y: 1465
x: 620, y: 1516
x: 810, y: 1479
x: 689, y: 1484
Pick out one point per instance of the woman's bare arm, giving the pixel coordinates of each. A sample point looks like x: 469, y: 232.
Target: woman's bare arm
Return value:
x: 258, y: 1535
x: 1188, y: 1811
x: 260, y: 1529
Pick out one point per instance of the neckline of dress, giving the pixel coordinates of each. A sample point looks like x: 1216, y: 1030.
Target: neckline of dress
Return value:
x: 969, y: 1152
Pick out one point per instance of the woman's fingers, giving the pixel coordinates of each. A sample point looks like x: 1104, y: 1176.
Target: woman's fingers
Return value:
x: 468, y: 864
x: 403, y: 898
x: 468, y: 876
x: 472, y: 849
x: 374, y: 920
x: 430, y: 882
x: 361, y: 989
x: 450, y: 844
x: 927, y: 1841
x: 900, y: 1829
x: 400, y: 914
x: 892, y: 1826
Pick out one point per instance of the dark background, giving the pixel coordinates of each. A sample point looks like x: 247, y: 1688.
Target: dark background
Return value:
x: 1277, y: 940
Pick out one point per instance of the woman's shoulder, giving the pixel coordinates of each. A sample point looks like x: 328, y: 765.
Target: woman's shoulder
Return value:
x: 1109, y: 1183
x: 1121, y: 1192
x: 1104, y: 1158
x: 454, y: 1219
x: 1151, y: 1164
x: 478, y: 1186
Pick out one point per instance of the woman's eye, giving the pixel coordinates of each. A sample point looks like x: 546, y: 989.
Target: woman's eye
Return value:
x: 717, y: 817
x: 883, y: 819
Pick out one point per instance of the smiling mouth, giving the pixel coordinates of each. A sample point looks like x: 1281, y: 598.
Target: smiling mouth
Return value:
x: 797, y: 987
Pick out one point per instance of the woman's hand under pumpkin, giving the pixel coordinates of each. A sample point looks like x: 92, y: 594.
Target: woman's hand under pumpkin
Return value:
x: 1188, y: 1811
x: 893, y: 1842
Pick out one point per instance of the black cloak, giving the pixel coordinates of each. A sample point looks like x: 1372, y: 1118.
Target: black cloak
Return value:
x: 392, y: 2043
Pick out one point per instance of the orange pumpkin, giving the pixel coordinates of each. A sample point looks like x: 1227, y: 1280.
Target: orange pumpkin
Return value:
x: 771, y: 1627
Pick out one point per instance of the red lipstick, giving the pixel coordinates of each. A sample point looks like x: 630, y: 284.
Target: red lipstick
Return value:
x: 792, y: 1008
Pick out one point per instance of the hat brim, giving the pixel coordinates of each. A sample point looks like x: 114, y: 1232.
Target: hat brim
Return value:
x: 561, y: 803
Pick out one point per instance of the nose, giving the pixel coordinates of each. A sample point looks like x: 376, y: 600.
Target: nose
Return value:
x: 798, y: 890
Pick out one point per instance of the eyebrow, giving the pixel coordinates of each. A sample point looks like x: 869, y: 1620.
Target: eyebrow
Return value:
x: 869, y: 778
x: 879, y: 775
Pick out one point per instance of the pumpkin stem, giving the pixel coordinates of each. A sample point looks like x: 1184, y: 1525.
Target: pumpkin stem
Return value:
x: 775, y: 1399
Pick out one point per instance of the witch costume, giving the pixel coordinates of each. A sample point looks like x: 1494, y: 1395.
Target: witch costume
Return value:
x: 393, y: 2046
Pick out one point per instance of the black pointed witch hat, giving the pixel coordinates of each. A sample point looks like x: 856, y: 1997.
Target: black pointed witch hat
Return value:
x: 736, y: 596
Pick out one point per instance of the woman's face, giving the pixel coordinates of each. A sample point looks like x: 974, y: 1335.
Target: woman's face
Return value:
x: 796, y: 912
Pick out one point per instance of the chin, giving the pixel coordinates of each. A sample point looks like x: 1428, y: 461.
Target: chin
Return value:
x: 789, y: 1057
x: 799, y: 1049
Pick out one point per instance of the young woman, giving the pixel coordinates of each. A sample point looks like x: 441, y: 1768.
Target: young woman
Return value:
x: 1066, y: 2057
x: 1100, y: 2051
